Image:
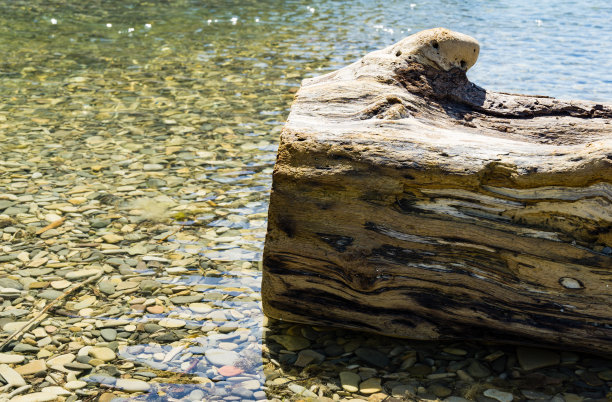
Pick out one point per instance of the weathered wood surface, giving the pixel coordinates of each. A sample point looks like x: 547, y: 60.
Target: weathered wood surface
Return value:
x: 410, y: 202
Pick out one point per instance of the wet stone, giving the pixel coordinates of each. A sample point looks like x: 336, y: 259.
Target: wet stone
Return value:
x: 373, y: 357
x: 531, y: 358
x: 186, y: 299
x: 350, y: 381
x: 50, y: 294
x: 109, y: 334
x: 478, y: 370
x: 498, y: 395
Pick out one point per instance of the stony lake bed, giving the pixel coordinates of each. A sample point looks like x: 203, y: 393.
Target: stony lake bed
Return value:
x: 134, y: 174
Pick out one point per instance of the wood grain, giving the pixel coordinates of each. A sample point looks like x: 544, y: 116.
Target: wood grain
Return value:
x: 410, y: 202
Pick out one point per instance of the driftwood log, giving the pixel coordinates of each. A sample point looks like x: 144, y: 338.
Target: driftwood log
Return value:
x: 410, y: 202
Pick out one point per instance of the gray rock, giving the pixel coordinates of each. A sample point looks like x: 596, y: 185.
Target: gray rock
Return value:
x: 8, y: 257
x: 151, y: 328
x: 25, y: 348
x: 186, y: 299
x: 243, y: 393
x: 100, y: 223
x: 78, y: 366
x: 109, y: 334
x: 50, y: 233
x: 10, y: 283
x: 196, y: 395
x: 50, y: 294
x: 149, y: 285
x: 220, y: 357
x: 373, y: 357
x: 106, y: 287
x: 12, y: 211
x: 4, y: 204
x: 478, y: 370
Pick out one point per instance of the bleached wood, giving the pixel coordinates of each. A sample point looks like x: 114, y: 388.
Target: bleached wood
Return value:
x: 410, y: 202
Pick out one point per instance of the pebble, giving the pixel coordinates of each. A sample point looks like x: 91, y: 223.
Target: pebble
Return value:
x: 186, y: 299
x: 55, y: 390
x: 82, y: 273
x: 155, y: 309
x: 61, y: 284
x: 290, y: 342
x: 301, y: 391
x: 33, y: 367
x: 14, y: 326
x: 109, y: 334
x: 11, y: 376
x: 172, y: 323
x: 373, y: 357
x: 220, y: 357
x: 102, y: 353
x: 478, y: 370
x: 230, y: 371
x: 112, y: 238
x: 132, y: 385
x: 35, y: 397
x: 6, y: 358
x: 200, y: 308
x: 370, y: 386
x: 501, y: 396
x: 61, y: 360
x: 350, y: 381
x: 76, y: 384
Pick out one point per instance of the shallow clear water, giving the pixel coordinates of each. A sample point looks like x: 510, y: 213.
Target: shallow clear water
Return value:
x: 92, y: 91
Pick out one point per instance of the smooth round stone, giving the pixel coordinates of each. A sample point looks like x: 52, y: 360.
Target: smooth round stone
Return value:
x: 35, y: 397
x: 373, y: 357
x: 196, y: 395
x: 139, y: 308
x: 61, y: 360
x: 217, y: 315
x: 112, y: 238
x: 251, y: 384
x: 243, y: 393
x: 200, y: 308
x: 106, y: 287
x: 102, y: 353
x: 230, y: 371
x: 86, y: 312
x: 155, y: 309
x: 6, y: 358
x: 350, y: 381
x: 132, y: 385
x: 478, y: 370
x: 440, y: 390
x: 370, y: 386
x: 220, y: 357
x: 76, y: 384
x: 50, y: 294
x: 172, y: 323
x: 59, y: 285
x: 109, y: 334
x: 501, y: 396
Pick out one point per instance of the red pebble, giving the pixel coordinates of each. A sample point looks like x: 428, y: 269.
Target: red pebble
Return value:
x: 155, y: 309
x: 229, y: 371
